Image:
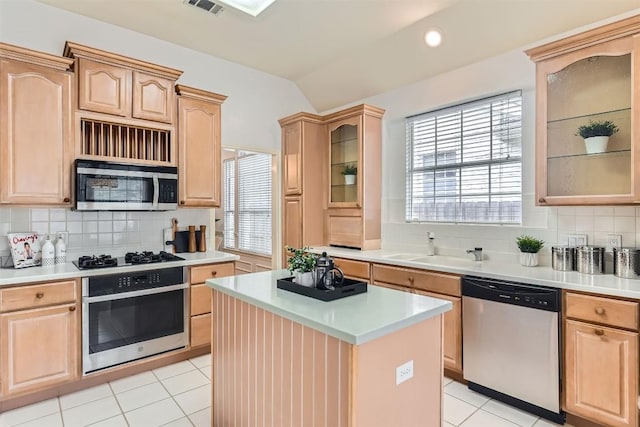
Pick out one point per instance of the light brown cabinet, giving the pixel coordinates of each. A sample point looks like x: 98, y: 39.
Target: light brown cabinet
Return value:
x: 39, y: 336
x: 433, y: 284
x: 591, y: 76
x: 601, y: 362
x: 36, y: 139
x: 354, y: 208
x: 304, y: 181
x: 200, y: 301
x: 199, y: 147
x: 103, y: 88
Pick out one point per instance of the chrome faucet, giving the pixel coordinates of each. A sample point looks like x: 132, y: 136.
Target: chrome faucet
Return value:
x: 477, y: 252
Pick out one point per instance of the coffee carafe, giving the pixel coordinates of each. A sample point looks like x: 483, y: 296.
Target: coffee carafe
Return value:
x: 327, y: 275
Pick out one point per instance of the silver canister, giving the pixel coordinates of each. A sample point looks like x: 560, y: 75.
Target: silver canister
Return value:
x: 563, y: 258
x: 626, y: 263
x: 590, y: 259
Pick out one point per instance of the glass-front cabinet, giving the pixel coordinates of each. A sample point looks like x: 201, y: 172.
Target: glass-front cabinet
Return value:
x: 344, y: 155
x: 586, y: 88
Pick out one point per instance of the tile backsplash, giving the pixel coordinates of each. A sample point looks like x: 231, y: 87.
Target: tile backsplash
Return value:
x: 89, y: 233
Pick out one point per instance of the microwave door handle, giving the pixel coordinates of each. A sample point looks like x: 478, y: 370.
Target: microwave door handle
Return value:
x: 156, y: 191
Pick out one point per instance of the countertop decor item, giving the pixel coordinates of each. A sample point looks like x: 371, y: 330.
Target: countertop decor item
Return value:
x: 192, y: 238
x: 596, y: 135
x: 350, y: 171
x: 48, y: 253
x: 25, y: 249
x: 302, y: 264
x: 529, y: 247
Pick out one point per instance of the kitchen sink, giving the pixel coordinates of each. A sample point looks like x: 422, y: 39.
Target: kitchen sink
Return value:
x: 406, y: 257
x: 445, y: 260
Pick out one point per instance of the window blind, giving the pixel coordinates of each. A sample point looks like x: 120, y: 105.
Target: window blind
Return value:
x: 247, y: 203
x: 464, y: 162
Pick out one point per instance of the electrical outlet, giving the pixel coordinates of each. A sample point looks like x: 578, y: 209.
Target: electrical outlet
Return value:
x: 577, y: 240
x: 404, y: 372
x: 613, y: 241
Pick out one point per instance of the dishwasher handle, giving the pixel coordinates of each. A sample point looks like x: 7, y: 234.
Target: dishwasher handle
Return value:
x: 522, y: 294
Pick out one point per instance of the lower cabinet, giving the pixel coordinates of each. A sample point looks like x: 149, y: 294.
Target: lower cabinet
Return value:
x: 39, y: 346
x: 601, y: 362
x: 200, y: 324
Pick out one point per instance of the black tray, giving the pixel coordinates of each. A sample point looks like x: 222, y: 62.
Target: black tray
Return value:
x: 349, y: 287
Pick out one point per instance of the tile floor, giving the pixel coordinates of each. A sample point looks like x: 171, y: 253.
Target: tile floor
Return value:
x: 178, y: 395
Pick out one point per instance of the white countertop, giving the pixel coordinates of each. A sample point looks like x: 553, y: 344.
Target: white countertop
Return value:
x: 12, y: 276
x: 355, y: 319
x: 605, y: 284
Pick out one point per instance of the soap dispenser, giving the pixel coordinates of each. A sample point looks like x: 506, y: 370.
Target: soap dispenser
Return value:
x: 61, y: 250
x: 48, y: 253
x: 431, y: 244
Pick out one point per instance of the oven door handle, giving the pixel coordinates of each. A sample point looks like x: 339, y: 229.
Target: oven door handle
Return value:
x: 112, y: 297
x: 156, y: 191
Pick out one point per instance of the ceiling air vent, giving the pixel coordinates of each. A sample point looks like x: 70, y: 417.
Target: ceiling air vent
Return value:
x: 209, y: 6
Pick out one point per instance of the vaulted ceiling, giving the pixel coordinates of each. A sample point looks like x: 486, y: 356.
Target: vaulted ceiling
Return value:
x: 340, y: 51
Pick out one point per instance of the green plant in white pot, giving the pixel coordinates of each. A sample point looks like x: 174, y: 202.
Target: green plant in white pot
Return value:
x: 529, y: 248
x: 302, y: 264
x: 350, y: 171
x: 596, y: 135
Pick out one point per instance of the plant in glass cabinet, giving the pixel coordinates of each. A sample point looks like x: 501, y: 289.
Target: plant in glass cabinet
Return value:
x: 528, y: 244
x: 350, y: 169
x: 597, y: 128
x: 302, y: 260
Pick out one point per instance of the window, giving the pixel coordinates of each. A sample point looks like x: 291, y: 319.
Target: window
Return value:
x: 247, y: 202
x: 464, y: 162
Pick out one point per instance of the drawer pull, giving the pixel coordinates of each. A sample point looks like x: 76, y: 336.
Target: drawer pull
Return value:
x: 72, y: 308
x: 599, y: 310
x: 599, y: 332
x: 40, y: 295
x: 213, y: 273
x: 411, y: 279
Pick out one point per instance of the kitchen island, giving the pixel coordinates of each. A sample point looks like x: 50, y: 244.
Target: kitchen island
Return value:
x: 280, y: 358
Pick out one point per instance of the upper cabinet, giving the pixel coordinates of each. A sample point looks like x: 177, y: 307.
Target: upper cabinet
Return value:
x: 125, y: 107
x: 199, y: 147
x: 344, y: 156
x: 36, y: 139
x: 589, y: 78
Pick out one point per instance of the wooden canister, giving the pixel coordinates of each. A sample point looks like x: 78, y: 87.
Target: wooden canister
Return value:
x: 202, y: 244
x: 192, y: 238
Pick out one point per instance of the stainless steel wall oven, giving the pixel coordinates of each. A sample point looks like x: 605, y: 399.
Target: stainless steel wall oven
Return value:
x: 128, y: 316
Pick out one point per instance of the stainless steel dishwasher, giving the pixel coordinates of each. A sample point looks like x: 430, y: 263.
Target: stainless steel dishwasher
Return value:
x: 511, y: 341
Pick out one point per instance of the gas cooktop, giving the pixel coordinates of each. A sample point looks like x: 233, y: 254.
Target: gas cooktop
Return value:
x: 131, y: 258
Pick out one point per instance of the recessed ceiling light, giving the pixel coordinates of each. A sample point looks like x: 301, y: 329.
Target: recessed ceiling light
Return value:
x: 252, y: 7
x: 433, y: 38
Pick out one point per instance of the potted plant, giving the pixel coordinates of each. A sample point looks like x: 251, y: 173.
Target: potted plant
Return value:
x: 350, y: 171
x: 596, y: 135
x: 529, y: 247
x: 301, y: 264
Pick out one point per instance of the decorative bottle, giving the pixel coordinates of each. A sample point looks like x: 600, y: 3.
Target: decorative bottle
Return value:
x: 61, y: 250
x: 48, y: 253
x: 202, y: 243
x: 192, y: 238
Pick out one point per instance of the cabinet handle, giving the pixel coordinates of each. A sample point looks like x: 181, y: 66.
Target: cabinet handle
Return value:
x: 542, y: 200
x: 599, y: 332
x: 66, y: 200
x: 213, y: 273
x: 40, y: 295
x: 72, y: 308
x: 411, y: 279
x: 182, y: 202
x: 599, y: 310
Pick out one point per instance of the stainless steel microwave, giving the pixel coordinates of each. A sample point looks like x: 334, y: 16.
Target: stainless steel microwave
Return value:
x: 111, y: 186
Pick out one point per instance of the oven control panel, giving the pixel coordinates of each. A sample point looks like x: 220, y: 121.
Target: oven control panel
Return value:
x: 110, y: 284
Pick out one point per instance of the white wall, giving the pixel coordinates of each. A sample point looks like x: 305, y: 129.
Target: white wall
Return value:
x: 504, y: 73
x: 250, y: 114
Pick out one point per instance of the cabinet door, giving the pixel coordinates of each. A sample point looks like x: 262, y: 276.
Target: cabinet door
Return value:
x: 39, y: 348
x: 35, y: 134
x: 601, y: 368
x: 104, y: 88
x: 199, y: 153
x: 452, y: 347
x: 292, y: 158
x: 153, y: 98
x: 590, y: 84
x: 292, y: 226
x: 345, y: 154
x: 201, y: 330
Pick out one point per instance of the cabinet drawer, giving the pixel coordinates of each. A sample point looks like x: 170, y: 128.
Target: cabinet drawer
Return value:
x: 353, y: 268
x: 419, y: 279
x: 200, y: 299
x: 37, y: 295
x: 200, y: 330
x: 623, y: 314
x: 204, y: 272
x: 390, y: 286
